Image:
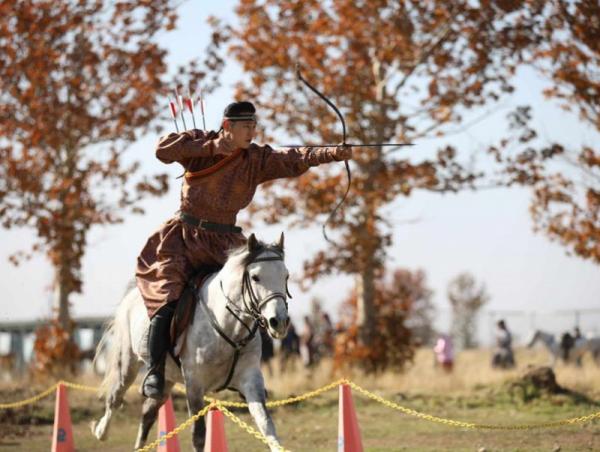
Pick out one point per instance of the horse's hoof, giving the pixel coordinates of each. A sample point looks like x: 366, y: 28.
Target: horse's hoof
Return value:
x: 100, y: 435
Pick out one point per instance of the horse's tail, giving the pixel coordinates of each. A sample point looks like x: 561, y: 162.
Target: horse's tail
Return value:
x: 107, y: 337
x: 111, y: 344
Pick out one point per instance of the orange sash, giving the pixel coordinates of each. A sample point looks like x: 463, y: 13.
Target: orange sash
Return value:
x: 189, y: 175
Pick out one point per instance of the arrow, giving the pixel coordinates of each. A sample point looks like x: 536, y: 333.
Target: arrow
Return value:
x: 173, y: 110
x: 345, y: 144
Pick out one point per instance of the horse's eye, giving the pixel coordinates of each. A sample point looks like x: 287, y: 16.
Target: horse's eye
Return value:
x: 255, y: 278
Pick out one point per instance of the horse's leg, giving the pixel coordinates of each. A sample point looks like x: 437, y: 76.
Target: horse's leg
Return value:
x: 195, y: 402
x: 150, y: 413
x: 253, y: 388
x: 128, y: 368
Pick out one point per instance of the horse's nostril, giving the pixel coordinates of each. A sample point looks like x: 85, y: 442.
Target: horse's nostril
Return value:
x: 273, y: 323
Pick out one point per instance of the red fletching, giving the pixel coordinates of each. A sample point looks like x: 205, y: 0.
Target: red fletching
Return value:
x: 179, y: 99
x: 189, y: 104
x: 173, y: 109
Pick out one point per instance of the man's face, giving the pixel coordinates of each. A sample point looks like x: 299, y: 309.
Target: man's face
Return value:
x: 241, y: 133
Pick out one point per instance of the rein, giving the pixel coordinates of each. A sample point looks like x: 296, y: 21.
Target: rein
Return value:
x: 252, y: 306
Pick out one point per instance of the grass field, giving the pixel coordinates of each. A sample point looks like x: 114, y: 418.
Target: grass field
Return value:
x: 473, y: 393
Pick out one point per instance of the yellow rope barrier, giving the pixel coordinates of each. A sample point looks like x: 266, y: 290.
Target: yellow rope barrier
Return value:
x: 177, y: 430
x: 81, y: 387
x: 470, y: 425
x: 30, y: 400
x: 250, y: 430
x: 278, y: 403
x: 222, y: 405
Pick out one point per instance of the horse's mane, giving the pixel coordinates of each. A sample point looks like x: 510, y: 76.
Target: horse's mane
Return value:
x: 241, y: 256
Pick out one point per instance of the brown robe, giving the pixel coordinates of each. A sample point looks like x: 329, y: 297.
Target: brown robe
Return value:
x: 178, y: 250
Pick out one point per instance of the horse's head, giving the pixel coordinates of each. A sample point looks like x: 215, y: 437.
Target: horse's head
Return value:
x: 544, y: 337
x: 534, y: 338
x: 264, y: 285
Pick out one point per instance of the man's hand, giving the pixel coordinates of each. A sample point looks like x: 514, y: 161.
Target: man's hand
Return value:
x: 342, y: 152
x: 193, y: 134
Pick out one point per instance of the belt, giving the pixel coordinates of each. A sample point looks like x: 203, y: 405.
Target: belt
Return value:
x: 207, y: 225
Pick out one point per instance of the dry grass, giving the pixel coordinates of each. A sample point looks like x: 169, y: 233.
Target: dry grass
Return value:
x: 312, y: 425
x: 472, y: 370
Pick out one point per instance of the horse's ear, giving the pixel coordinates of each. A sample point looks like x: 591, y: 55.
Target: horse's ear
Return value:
x: 279, y: 244
x: 252, y: 243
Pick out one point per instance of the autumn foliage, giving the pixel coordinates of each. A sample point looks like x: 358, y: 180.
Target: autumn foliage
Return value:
x: 405, y: 72
x: 400, y: 301
x: 79, y: 82
x: 564, y: 175
x: 55, y: 353
x: 399, y: 72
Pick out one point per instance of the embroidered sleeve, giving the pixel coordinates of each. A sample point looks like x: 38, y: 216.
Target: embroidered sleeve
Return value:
x: 184, y: 146
x: 290, y: 162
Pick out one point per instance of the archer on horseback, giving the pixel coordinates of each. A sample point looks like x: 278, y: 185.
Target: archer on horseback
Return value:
x: 222, y: 172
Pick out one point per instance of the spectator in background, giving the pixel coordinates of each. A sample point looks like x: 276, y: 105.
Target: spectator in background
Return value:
x: 322, y: 343
x: 267, y: 350
x: 306, y: 342
x: 326, y: 335
x: 444, y: 353
x: 290, y: 348
x: 569, y: 342
x: 503, y: 356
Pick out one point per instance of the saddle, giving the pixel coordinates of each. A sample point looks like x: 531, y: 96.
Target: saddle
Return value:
x: 186, y: 308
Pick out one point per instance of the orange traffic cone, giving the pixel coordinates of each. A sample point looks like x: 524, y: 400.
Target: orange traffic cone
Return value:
x: 215, y: 433
x: 166, y: 423
x: 62, y: 437
x: 348, y: 432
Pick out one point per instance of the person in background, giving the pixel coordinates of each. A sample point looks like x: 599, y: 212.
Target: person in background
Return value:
x: 444, y: 353
x: 503, y: 356
x: 290, y: 348
x: 306, y: 342
x: 268, y: 351
x: 327, y: 335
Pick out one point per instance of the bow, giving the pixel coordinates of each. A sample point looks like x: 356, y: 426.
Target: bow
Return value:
x: 337, y: 111
x: 331, y: 104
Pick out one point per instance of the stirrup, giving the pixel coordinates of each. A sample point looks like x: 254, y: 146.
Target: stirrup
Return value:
x: 160, y: 393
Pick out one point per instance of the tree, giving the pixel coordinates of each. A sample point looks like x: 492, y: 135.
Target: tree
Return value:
x: 399, y: 71
x: 466, y: 300
x: 79, y: 81
x: 402, y: 322
x: 412, y: 288
x: 565, y: 179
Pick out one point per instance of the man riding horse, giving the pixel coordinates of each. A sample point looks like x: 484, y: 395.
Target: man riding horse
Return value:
x: 222, y: 172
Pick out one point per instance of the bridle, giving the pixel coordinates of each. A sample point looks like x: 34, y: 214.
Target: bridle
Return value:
x: 252, y: 306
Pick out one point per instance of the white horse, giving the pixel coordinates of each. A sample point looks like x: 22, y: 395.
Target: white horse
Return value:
x: 583, y: 345
x: 575, y: 354
x: 221, y: 348
x: 549, y: 341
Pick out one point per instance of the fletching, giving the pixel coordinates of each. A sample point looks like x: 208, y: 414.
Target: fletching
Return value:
x: 173, y: 110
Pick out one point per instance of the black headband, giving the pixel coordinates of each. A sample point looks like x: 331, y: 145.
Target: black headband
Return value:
x: 241, y: 118
x: 240, y: 111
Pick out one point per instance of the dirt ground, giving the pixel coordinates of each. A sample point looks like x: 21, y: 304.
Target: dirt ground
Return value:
x: 312, y: 425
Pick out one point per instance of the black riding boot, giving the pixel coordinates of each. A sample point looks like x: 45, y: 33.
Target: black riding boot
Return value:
x: 159, y: 342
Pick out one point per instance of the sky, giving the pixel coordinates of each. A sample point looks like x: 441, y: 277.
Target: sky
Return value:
x: 488, y: 233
